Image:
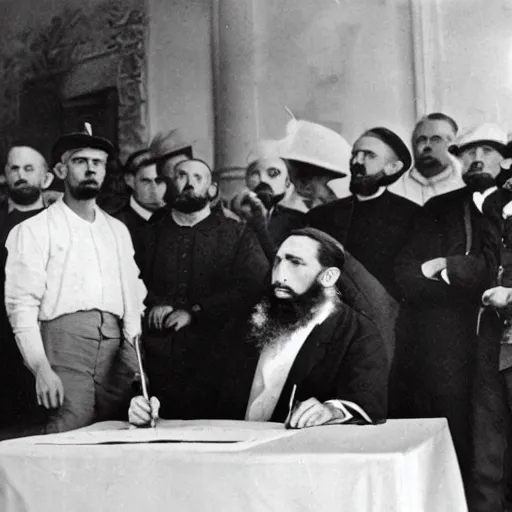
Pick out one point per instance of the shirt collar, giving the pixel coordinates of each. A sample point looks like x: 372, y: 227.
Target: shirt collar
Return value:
x: 75, y: 218
x: 374, y: 196
x: 452, y: 170
x: 139, y: 209
x: 11, y: 205
x: 479, y: 197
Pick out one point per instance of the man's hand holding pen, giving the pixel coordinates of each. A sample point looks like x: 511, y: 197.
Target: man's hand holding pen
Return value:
x: 143, y: 412
x: 312, y: 413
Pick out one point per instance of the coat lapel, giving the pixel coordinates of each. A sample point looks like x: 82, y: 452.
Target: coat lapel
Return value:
x: 311, y: 353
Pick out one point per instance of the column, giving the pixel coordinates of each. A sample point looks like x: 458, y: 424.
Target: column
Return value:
x: 234, y: 89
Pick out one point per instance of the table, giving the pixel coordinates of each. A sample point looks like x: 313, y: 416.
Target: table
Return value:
x: 403, y: 465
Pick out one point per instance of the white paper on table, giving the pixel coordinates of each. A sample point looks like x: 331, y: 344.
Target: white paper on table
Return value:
x: 225, y: 435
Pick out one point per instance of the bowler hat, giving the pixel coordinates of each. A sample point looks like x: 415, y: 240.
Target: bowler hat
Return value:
x: 79, y: 140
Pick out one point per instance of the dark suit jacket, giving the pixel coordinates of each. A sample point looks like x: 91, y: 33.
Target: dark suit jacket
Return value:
x: 130, y: 218
x: 217, y: 266
x: 343, y: 358
x: 374, y: 231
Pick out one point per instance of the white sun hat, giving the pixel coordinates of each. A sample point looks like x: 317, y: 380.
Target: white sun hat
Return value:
x: 315, y: 144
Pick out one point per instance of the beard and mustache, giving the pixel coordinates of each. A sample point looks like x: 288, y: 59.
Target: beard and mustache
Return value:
x: 274, y: 318
x: 267, y: 195
x: 24, y: 194
x: 86, y: 189
x: 365, y: 184
x: 186, y: 201
x: 477, y: 178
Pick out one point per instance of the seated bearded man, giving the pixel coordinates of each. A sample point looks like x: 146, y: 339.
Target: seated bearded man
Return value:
x: 301, y: 340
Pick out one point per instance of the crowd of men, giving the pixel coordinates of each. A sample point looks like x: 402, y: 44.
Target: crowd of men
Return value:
x: 362, y: 282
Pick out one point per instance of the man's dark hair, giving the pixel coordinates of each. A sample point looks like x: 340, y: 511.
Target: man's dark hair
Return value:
x: 438, y: 116
x: 138, y: 160
x: 330, y: 251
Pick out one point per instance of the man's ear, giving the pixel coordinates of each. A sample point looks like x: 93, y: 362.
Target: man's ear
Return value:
x: 393, y: 167
x: 48, y: 180
x: 329, y: 277
x: 129, y: 179
x: 287, y: 182
x: 61, y: 171
x: 213, y: 191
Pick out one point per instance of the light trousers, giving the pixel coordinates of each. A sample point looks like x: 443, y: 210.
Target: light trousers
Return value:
x: 95, y: 365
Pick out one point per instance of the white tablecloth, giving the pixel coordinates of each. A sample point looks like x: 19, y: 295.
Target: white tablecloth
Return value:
x: 403, y: 465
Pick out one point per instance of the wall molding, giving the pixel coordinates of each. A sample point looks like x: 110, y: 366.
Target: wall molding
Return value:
x: 74, y: 37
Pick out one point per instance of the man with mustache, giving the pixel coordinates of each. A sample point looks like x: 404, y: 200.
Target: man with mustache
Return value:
x: 372, y: 223
x: 202, y: 270
x: 302, y: 336
x: 451, y: 257
x: 73, y: 295
x: 270, y: 203
x: 435, y: 171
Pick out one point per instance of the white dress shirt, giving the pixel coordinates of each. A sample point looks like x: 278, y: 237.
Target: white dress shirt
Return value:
x: 59, y: 263
x: 414, y: 186
x: 274, y: 364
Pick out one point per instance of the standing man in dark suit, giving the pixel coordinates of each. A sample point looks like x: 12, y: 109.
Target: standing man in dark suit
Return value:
x: 147, y: 191
x: 202, y: 270
x: 450, y: 259
x: 300, y: 335
x: 26, y: 175
x: 372, y: 223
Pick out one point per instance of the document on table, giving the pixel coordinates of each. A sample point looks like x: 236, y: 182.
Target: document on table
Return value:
x: 225, y: 435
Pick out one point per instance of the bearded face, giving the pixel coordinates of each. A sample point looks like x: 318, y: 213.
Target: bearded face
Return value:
x: 362, y: 183
x: 481, y: 164
x: 275, y: 318
x: 477, y: 178
x: 188, y: 201
x: 24, y: 194
x: 267, y: 196
x: 189, y: 189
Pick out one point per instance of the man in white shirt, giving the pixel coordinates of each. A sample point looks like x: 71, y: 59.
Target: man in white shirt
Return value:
x: 307, y: 358
x: 147, y: 191
x: 72, y: 293
x: 436, y: 171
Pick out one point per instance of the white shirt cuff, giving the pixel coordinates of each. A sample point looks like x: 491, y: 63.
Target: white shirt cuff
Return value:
x: 348, y: 409
x: 444, y: 276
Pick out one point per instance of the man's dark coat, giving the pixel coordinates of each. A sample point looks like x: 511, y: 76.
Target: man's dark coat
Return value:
x: 217, y: 265
x: 130, y: 218
x: 343, y: 358
x: 436, y: 350
x: 17, y: 396
x: 373, y: 231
